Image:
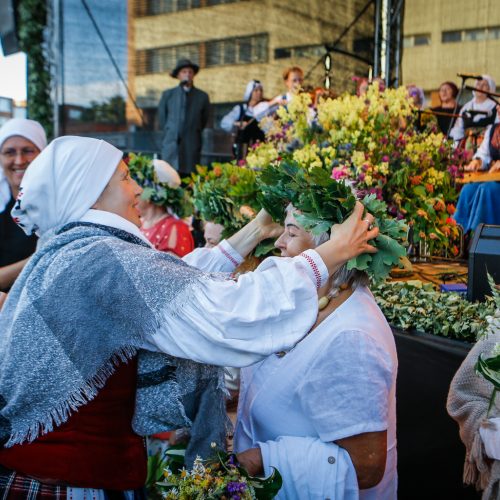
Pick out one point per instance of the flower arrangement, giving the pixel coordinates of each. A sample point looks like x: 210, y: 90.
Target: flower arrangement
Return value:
x: 322, y: 202
x: 225, y: 194
x: 220, y: 477
x: 372, y: 141
x: 160, y: 193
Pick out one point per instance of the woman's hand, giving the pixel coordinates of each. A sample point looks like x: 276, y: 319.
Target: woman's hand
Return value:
x: 267, y: 228
x: 495, y: 167
x: 474, y: 165
x: 251, y: 460
x: 349, y: 239
x: 257, y: 230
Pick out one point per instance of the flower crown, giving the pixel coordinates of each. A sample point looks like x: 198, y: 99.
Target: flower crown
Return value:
x: 160, y: 193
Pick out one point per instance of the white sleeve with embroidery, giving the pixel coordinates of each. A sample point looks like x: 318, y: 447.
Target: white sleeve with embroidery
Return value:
x: 237, y: 323
x: 222, y: 258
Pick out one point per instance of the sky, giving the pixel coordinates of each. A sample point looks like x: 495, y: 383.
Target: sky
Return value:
x: 88, y: 72
x: 13, y: 76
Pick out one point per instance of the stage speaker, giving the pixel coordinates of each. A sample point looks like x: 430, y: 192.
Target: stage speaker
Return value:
x: 8, y: 28
x: 484, y: 257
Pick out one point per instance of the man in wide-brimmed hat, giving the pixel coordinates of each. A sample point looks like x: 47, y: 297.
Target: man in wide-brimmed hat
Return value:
x: 183, y: 114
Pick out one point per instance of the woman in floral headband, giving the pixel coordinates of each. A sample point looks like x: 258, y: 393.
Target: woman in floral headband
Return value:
x: 161, y: 207
x: 324, y: 413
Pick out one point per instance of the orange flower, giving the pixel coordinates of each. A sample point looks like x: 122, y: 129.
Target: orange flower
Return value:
x: 450, y: 208
x: 429, y: 187
x: 217, y: 171
x: 233, y: 179
x: 422, y: 235
x: 422, y: 213
x: 433, y: 236
x: 416, y: 179
x: 446, y: 230
x: 439, y: 206
x: 454, y: 250
x: 451, y: 222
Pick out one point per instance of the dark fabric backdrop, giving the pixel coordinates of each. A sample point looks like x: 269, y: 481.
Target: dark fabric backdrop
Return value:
x: 430, y: 453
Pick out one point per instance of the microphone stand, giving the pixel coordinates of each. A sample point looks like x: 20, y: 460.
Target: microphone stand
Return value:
x: 455, y: 109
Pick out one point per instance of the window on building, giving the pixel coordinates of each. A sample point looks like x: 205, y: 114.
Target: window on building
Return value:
x: 474, y: 35
x: 494, y: 33
x: 238, y: 50
x: 155, y: 7
x: 451, y: 36
x: 241, y: 50
x: 416, y: 40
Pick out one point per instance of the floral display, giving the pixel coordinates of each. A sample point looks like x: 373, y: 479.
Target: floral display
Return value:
x: 413, y: 305
x: 372, y: 141
x: 220, y: 477
x: 225, y: 194
x: 176, y: 199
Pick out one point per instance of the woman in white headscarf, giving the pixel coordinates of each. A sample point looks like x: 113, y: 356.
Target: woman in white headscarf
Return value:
x: 21, y: 141
x: 478, y: 112
x: 242, y: 120
x: 87, y: 327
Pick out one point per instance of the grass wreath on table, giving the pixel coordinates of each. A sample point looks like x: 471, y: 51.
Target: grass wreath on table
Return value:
x: 160, y: 193
x: 323, y: 202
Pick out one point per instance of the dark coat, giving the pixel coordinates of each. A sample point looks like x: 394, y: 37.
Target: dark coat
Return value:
x: 183, y: 116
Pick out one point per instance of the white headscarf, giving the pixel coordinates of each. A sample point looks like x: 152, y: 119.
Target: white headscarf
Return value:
x: 29, y: 129
x: 251, y: 85
x: 491, y: 82
x: 166, y: 173
x: 64, y: 182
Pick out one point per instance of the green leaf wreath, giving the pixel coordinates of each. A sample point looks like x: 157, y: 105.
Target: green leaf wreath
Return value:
x: 323, y: 202
x: 143, y: 172
x: 225, y: 194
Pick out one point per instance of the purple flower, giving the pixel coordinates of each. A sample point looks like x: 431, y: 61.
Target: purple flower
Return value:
x: 384, y: 140
x: 385, y: 158
x: 235, y: 487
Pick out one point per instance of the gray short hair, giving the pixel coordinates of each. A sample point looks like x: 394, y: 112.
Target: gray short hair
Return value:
x: 352, y: 278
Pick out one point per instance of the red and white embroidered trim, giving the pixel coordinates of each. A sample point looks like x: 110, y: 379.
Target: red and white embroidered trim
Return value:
x: 228, y: 256
x: 314, y: 268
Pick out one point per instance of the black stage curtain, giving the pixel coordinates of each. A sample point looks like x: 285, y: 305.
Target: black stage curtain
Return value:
x: 430, y: 453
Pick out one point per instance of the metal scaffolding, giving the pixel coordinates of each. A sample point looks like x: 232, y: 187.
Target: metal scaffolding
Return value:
x: 388, y: 41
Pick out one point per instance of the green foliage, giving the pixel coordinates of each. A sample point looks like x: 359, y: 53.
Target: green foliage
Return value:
x: 177, y: 199
x: 225, y: 194
x: 32, y: 19
x: 322, y: 202
x: 413, y: 305
x: 110, y: 111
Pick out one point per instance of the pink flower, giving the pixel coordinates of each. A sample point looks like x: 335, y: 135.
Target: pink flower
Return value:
x: 339, y: 173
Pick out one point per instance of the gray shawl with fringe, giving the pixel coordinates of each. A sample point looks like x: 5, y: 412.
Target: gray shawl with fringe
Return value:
x: 468, y: 402
x: 85, y: 302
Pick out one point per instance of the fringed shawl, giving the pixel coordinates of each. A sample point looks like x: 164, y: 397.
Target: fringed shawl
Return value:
x: 88, y: 299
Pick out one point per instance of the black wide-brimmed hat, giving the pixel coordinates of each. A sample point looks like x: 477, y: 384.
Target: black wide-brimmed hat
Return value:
x: 184, y: 63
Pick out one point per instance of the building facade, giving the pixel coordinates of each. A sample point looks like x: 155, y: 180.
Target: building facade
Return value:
x: 446, y: 37
x: 235, y: 41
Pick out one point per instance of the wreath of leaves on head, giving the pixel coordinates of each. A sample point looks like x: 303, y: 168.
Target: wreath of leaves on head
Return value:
x: 160, y: 193
x: 221, y: 192
x: 323, y: 202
